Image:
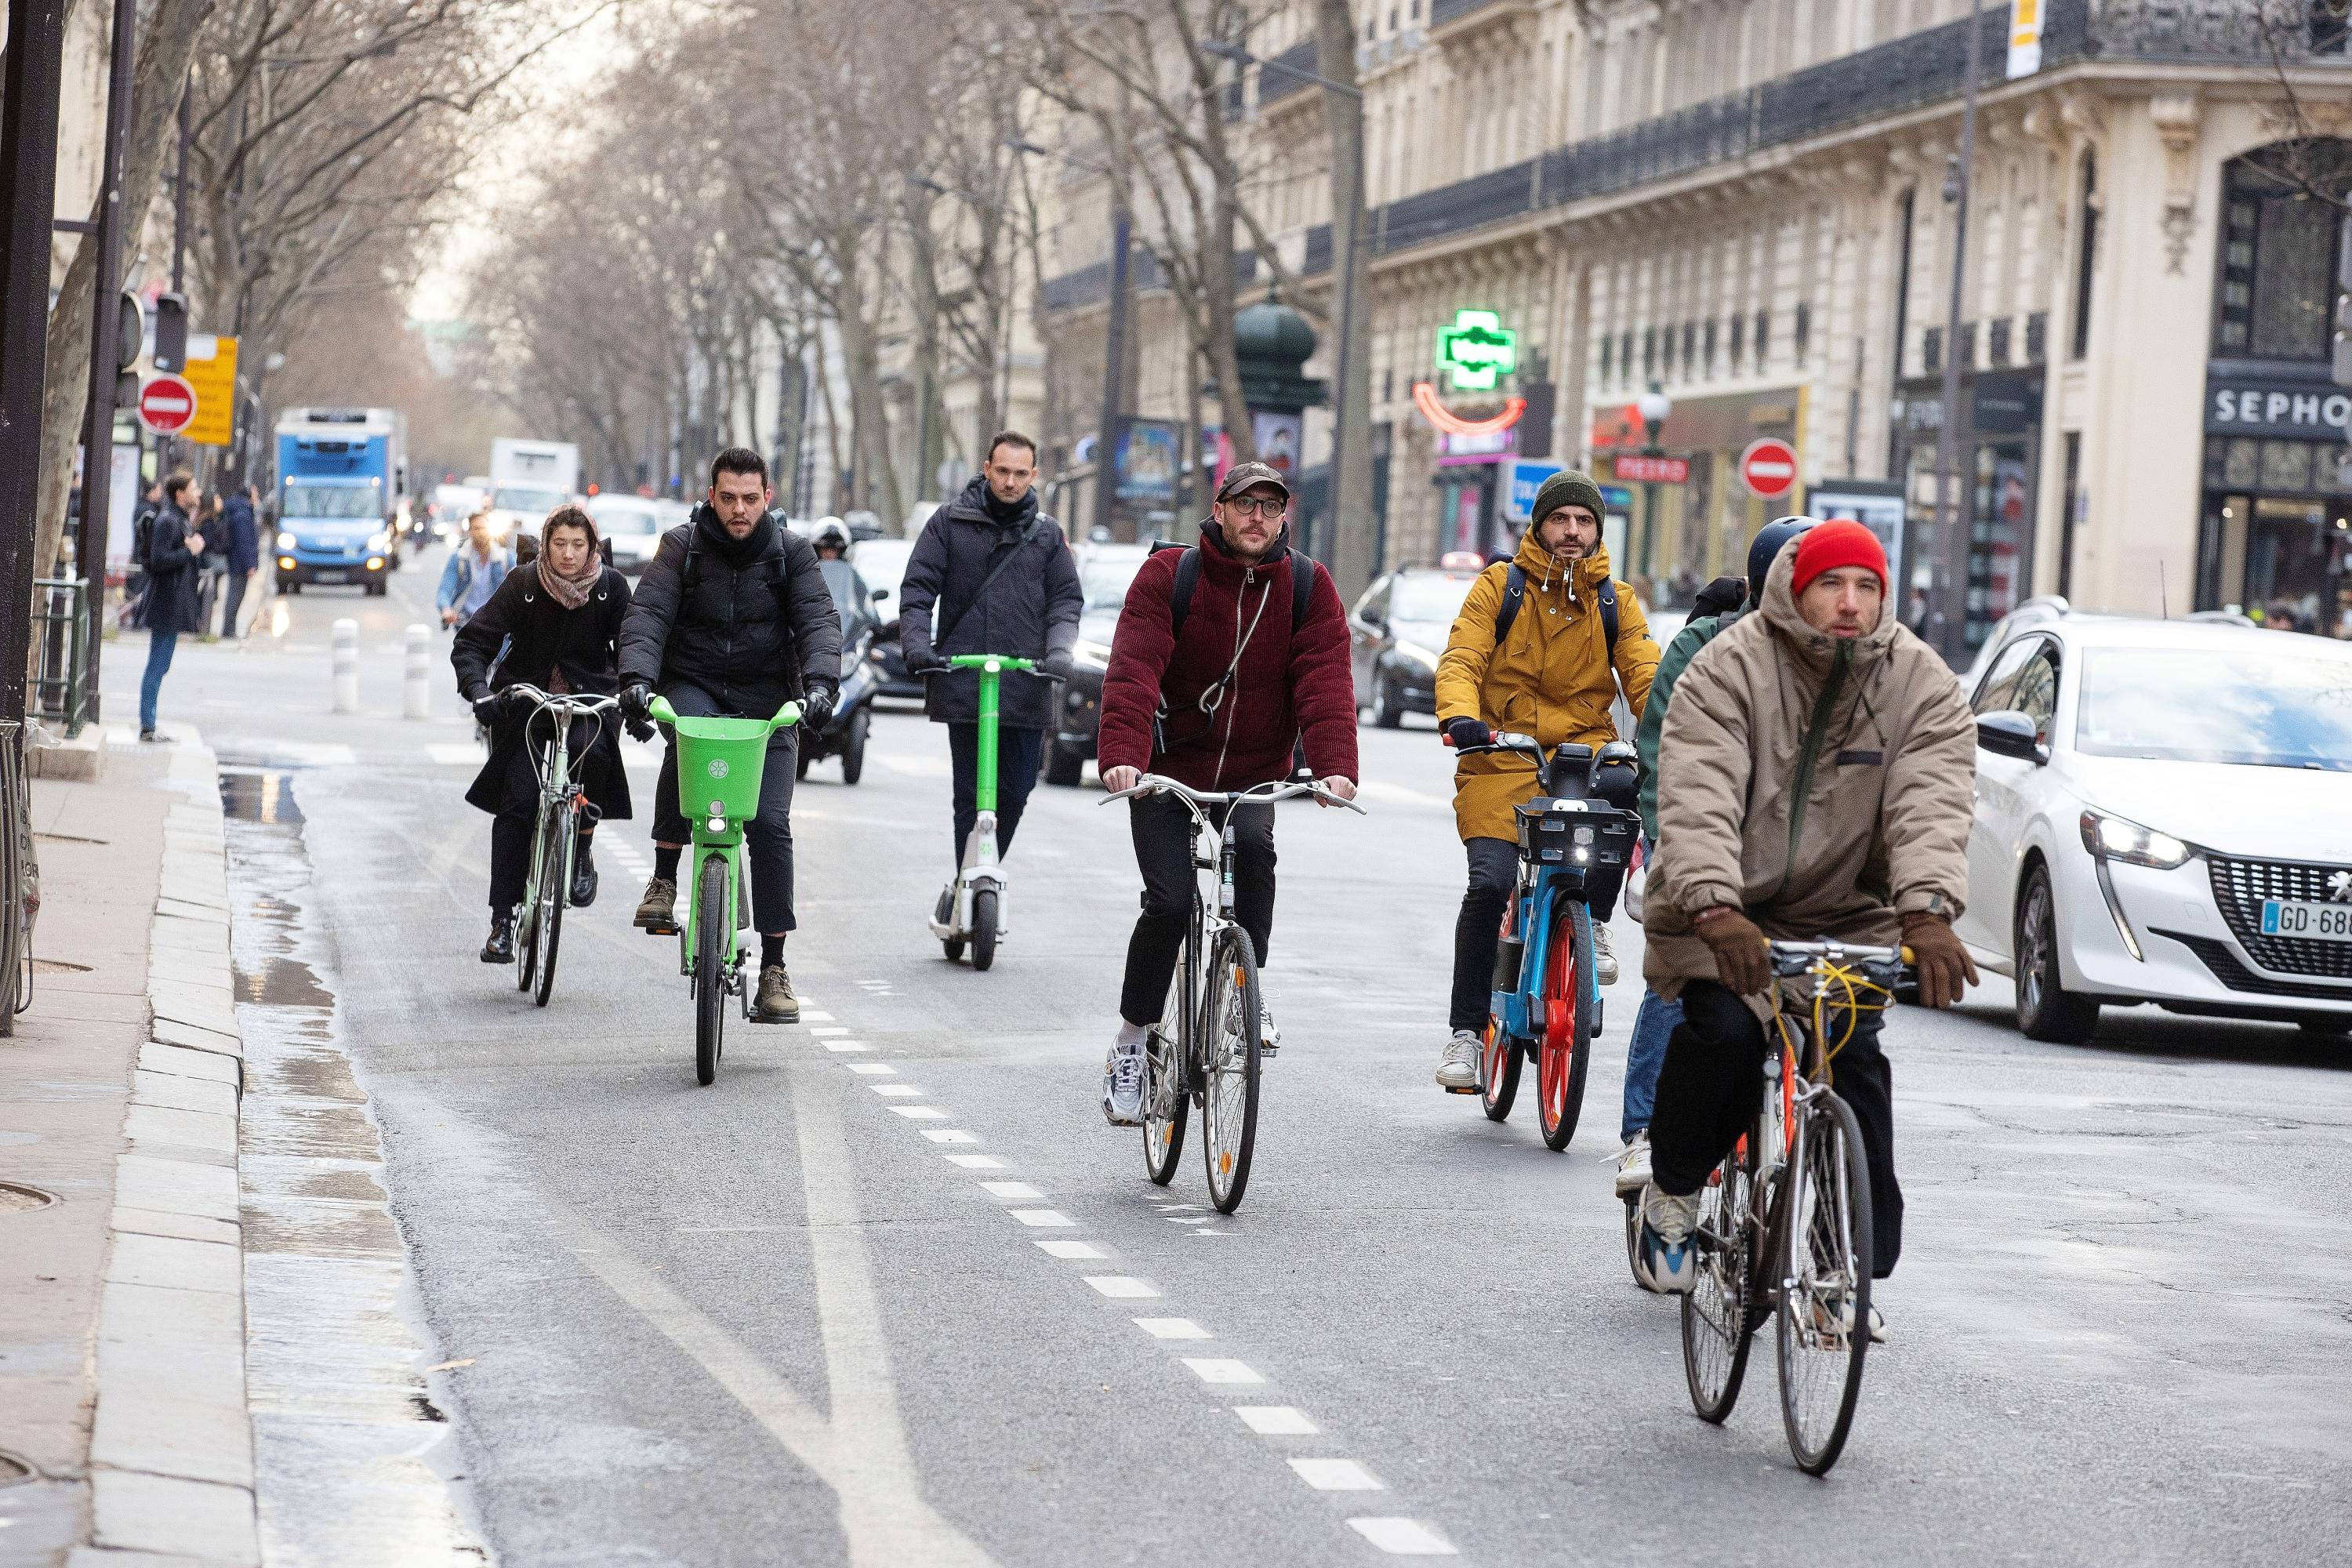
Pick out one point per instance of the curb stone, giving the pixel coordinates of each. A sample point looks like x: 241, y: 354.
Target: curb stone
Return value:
x: 172, y: 1443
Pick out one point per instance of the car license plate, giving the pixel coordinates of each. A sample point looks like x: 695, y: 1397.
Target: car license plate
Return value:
x: 2324, y: 922
x: 329, y: 576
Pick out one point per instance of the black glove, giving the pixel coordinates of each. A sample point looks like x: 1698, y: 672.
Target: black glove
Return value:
x: 1467, y: 733
x: 1056, y: 664
x: 1720, y: 597
x: 924, y: 662
x: 488, y: 706
x: 637, y: 702
x: 817, y: 706
x: 640, y: 729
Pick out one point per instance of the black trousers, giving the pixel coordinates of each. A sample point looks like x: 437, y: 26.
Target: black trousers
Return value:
x: 1163, y: 828
x: 1018, y: 752
x: 518, y: 813
x: 1712, y: 1083
x: 1494, y: 871
x: 769, y: 833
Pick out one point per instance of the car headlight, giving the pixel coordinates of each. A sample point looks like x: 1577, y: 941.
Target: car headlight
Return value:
x: 379, y: 539
x: 2115, y: 838
x: 286, y: 541
x: 1092, y: 654
x: 1425, y: 657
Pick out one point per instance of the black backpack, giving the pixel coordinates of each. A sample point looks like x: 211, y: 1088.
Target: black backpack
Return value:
x: 142, y: 538
x: 1302, y: 587
x: 1515, y: 594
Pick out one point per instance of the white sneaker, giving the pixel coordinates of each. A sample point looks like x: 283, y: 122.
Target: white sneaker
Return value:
x: 1270, y: 1039
x: 1633, y: 1164
x: 1459, y: 1068
x: 1604, y: 959
x: 1122, y: 1100
x: 1664, y: 1259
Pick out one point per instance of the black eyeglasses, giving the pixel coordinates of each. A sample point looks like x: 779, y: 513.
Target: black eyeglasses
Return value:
x: 1273, y: 506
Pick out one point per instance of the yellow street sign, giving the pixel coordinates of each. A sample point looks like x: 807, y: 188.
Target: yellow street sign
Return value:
x: 213, y: 373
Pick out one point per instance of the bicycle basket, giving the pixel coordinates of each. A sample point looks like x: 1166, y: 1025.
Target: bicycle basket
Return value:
x: 1578, y: 835
x: 719, y: 766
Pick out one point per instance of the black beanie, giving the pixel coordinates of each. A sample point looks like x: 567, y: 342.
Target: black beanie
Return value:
x: 1566, y: 487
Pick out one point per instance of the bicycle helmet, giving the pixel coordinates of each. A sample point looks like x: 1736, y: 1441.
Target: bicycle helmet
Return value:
x: 1767, y: 545
x: 830, y: 531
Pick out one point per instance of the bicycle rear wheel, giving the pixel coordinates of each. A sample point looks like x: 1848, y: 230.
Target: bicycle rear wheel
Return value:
x: 554, y: 892
x: 1564, y: 1054
x: 1229, y: 1024
x: 1165, y: 1104
x: 1718, y: 1319
x: 714, y: 931
x: 1824, y: 1267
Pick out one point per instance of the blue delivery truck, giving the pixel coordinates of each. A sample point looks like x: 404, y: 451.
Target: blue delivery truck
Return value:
x: 341, y: 473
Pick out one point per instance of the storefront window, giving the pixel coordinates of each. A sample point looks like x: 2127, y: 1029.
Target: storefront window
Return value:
x: 2278, y: 251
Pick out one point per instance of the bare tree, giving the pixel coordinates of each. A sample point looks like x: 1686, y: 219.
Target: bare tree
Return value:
x: 1354, y: 528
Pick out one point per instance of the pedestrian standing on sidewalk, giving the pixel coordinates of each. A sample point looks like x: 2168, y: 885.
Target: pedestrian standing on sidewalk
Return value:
x: 211, y: 527
x: 170, y: 606
x: 992, y: 574
x: 142, y: 528
x: 559, y: 625
x: 244, y: 557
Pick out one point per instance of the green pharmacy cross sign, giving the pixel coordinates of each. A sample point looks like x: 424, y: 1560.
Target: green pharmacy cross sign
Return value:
x: 1478, y: 350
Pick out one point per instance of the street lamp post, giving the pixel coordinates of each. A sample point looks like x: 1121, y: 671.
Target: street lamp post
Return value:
x: 1653, y: 406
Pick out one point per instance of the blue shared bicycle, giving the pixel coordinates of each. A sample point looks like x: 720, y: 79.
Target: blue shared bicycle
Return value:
x: 1547, y: 998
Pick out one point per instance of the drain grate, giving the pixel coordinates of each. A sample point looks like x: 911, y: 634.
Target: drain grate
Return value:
x: 18, y: 1198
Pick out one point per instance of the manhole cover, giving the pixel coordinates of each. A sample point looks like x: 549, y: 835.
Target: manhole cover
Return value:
x: 13, y: 1469
x: 18, y: 1198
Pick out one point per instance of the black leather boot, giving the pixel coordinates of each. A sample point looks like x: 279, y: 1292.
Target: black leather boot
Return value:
x: 499, y: 949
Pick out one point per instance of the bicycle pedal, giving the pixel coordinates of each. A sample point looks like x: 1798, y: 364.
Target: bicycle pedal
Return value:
x: 1471, y: 1090
x: 659, y: 930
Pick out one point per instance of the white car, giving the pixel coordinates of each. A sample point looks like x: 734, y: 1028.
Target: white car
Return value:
x: 2163, y: 814
x: 634, y: 523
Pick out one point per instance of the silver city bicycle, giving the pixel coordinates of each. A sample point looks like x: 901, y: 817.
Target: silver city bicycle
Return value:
x: 539, y: 923
x: 1205, y: 1050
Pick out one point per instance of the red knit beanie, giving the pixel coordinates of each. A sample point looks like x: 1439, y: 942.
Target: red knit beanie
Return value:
x: 1837, y: 542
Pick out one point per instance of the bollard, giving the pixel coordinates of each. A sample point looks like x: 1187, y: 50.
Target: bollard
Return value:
x: 415, y: 681
x: 347, y: 666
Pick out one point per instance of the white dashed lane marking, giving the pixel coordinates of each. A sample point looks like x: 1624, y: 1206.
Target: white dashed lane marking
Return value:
x: 921, y: 1112
x: 1068, y: 1249
x: 1277, y: 1420
x: 1173, y: 1329
x: 1402, y: 1537
x: 1020, y: 1192
x: 1120, y: 1286
x: 945, y: 1134
x: 874, y: 1069
x: 976, y: 1162
x: 895, y: 1090
x: 1215, y: 1370
x: 1335, y: 1476
x: 1043, y: 1219
x: 842, y: 1045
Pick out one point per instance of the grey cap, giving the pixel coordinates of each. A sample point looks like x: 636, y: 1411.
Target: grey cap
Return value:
x: 1242, y: 476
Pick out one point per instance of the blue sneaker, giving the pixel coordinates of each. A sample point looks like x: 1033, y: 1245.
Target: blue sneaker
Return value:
x: 1665, y: 1258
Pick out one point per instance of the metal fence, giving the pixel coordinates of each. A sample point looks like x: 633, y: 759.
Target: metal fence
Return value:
x: 20, y: 877
x: 61, y: 634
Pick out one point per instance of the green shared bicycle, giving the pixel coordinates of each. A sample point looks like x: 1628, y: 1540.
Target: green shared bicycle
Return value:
x: 719, y: 761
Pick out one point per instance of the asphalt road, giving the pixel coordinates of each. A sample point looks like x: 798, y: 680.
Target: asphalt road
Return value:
x: 789, y: 1319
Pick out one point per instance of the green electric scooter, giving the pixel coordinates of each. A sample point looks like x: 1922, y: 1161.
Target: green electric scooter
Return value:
x: 976, y: 914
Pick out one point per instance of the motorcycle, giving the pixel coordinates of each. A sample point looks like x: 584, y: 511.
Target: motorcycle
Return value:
x: 843, y: 734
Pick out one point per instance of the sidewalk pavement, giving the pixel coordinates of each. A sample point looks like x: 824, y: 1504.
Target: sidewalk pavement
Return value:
x: 122, y: 1278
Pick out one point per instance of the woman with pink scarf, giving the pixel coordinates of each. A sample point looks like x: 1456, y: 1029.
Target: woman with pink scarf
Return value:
x: 553, y: 623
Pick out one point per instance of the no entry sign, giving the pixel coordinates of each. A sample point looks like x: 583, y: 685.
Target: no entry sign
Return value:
x: 1769, y: 467
x: 167, y: 404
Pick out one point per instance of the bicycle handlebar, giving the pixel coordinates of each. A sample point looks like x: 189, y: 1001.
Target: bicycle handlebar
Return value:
x: 662, y: 713
x: 580, y: 702
x: 983, y: 660
x: 1503, y: 741
x: 1851, y: 952
x: 1269, y: 793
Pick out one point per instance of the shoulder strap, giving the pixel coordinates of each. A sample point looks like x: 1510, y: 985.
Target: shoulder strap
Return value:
x: 1179, y: 597
x: 1028, y: 536
x: 1607, y: 595
x: 1515, y: 594
x: 1302, y: 587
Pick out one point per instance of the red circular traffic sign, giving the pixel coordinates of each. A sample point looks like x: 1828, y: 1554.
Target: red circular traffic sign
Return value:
x: 1769, y: 467
x: 167, y: 405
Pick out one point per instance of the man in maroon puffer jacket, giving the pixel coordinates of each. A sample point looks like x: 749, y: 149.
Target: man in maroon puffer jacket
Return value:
x: 1220, y: 710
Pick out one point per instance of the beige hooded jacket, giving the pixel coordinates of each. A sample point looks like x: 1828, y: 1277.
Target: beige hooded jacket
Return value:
x: 1823, y: 785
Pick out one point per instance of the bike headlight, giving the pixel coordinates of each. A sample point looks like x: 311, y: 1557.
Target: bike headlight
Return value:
x: 1424, y: 657
x: 286, y: 541
x: 2115, y: 838
x: 1092, y: 654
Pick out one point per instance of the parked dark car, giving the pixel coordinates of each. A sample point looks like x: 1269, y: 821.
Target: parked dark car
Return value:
x: 1105, y: 571
x: 1397, y: 631
x: 883, y: 564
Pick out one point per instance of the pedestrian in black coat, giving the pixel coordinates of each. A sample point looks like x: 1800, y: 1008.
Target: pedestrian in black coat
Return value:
x: 559, y: 625
x: 956, y: 599
x: 171, y: 607
x: 733, y: 618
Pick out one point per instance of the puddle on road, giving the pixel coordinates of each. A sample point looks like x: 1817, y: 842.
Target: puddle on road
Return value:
x: 351, y: 1462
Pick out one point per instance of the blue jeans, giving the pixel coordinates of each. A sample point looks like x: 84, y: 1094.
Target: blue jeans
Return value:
x: 1645, y: 1053
x: 159, y: 660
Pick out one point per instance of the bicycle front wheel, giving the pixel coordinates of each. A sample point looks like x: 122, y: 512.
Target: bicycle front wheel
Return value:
x: 1825, y: 1262
x: 1718, y: 1315
x: 1166, y: 1103
x: 1229, y: 1024
x: 526, y: 936
x: 714, y: 931
x: 1564, y: 1054
x: 554, y: 892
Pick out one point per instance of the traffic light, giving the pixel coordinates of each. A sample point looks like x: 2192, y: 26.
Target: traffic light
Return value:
x: 129, y: 335
x: 171, y: 333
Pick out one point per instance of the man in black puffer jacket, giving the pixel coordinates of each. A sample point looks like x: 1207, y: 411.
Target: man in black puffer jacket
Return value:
x: 991, y: 575
x: 733, y: 618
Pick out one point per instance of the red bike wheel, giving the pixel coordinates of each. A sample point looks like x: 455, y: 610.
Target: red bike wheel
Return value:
x: 1565, y: 1051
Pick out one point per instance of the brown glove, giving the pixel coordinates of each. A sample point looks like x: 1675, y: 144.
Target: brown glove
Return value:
x: 1944, y: 965
x: 1742, y: 956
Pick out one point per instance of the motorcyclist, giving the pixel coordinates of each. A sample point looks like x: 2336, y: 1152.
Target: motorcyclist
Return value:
x: 1815, y: 781
x: 733, y: 618
x: 1551, y: 667
x: 830, y: 539
x: 554, y: 627
x: 1718, y: 604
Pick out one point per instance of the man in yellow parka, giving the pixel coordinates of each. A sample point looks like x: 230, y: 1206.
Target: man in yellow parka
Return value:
x: 1553, y: 675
